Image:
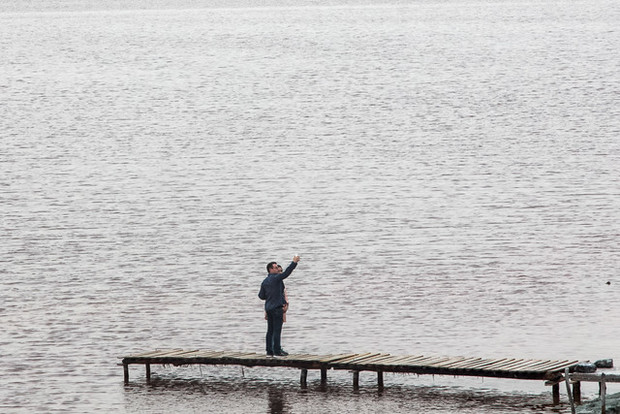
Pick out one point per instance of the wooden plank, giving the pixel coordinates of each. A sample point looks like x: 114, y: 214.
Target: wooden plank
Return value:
x: 246, y: 357
x: 360, y: 359
x: 476, y: 364
x: 250, y: 355
x: 303, y: 357
x: 370, y: 360
x: 569, y: 393
x: 320, y: 358
x: 352, y: 358
x: 405, y: 359
x: 401, y: 359
x: 437, y: 364
x: 337, y: 358
x: 469, y: 363
x: 594, y: 377
x: 185, y: 354
x: 559, y: 366
x: 516, y: 363
x: 495, y: 366
x: 449, y: 363
x: 242, y: 355
x: 155, y: 353
x: 538, y: 366
x: 434, y: 362
x: 150, y: 353
x: 462, y: 363
x: 415, y: 360
x: 505, y: 364
x: 231, y: 355
x: 389, y: 360
x: 543, y: 366
x: 209, y: 354
x: 193, y: 354
x: 428, y: 361
x: 522, y: 368
x: 221, y: 354
x: 378, y: 360
x: 328, y: 358
x: 188, y: 354
x: 168, y: 354
x: 203, y: 352
x: 485, y: 363
x: 531, y: 365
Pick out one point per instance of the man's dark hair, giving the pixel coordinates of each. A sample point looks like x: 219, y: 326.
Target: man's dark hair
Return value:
x: 270, y: 265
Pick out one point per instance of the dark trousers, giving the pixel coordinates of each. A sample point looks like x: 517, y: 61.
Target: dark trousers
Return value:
x: 274, y: 330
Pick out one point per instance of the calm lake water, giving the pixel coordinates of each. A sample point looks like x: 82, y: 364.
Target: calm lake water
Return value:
x: 449, y: 172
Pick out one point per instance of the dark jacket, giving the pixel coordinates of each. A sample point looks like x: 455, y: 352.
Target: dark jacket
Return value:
x: 272, y: 288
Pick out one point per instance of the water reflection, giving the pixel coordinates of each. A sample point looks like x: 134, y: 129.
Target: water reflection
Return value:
x: 277, y: 401
x: 230, y: 394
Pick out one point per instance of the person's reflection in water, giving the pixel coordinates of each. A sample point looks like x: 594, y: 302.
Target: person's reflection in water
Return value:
x: 277, y: 401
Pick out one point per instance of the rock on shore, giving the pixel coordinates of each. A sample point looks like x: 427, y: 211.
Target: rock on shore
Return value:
x: 612, y: 405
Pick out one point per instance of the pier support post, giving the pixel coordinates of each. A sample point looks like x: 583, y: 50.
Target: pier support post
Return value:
x: 555, y: 389
x: 603, y: 392
x: 577, y: 392
x: 380, y: 379
x: 356, y: 380
x: 126, y: 373
x: 148, y: 373
x: 568, y: 391
x: 323, y: 376
x: 304, y: 378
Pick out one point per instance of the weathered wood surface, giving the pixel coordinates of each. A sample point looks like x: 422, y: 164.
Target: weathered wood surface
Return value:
x: 595, y: 376
x: 379, y: 362
x: 501, y: 368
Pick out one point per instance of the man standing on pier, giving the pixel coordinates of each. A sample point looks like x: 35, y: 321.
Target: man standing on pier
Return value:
x: 272, y: 292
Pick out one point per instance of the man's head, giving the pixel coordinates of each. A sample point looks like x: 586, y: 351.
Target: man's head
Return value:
x: 272, y: 267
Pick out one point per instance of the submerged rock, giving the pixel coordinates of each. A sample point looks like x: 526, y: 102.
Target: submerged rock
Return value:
x: 604, y: 363
x: 585, y: 367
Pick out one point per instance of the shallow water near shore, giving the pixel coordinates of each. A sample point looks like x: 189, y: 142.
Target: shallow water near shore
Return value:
x: 448, y: 172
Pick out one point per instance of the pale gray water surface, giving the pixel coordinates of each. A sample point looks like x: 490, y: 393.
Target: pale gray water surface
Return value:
x: 448, y: 171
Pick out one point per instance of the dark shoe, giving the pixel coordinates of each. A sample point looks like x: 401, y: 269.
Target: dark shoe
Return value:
x: 269, y: 355
x: 281, y: 352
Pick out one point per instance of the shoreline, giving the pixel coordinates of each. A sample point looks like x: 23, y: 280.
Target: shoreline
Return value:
x: 612, y: 405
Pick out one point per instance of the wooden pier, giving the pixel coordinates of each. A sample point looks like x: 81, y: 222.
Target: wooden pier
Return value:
x: 550, y: 371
